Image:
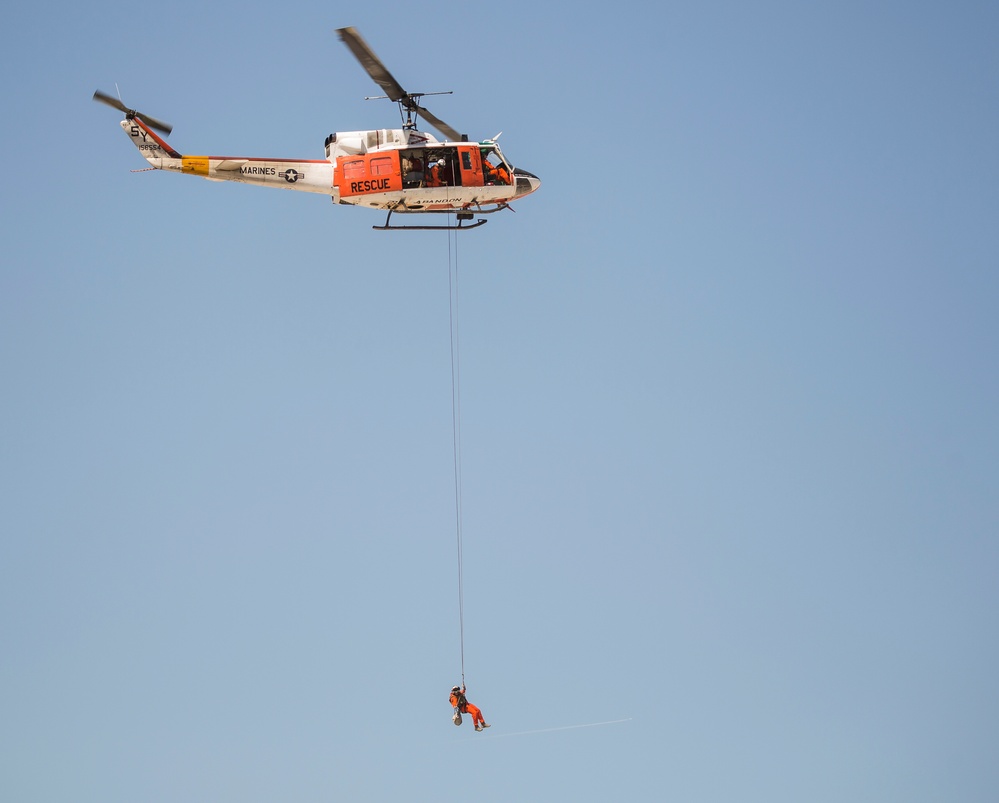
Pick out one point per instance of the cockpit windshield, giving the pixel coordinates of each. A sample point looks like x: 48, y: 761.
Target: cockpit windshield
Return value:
x: 495, y: 169
x: 494, y: 150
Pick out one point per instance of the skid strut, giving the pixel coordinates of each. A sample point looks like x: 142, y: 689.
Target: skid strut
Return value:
x: 462, y: 225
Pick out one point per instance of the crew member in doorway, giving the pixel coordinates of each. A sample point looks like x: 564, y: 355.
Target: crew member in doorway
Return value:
x: 462, y: 706
x: 435, y: 175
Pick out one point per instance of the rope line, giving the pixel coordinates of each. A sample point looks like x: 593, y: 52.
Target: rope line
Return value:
x: 452, y: 274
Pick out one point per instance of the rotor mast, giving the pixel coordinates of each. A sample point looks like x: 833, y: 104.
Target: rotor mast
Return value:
x: 409, y: 113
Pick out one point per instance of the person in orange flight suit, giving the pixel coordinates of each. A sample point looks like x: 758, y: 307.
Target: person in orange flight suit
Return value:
x: 461, y: 706
x: 435, y: 174
x: 493, y: 174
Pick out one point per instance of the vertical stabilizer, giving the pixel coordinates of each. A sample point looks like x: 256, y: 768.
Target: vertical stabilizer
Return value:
x: 154, y: 149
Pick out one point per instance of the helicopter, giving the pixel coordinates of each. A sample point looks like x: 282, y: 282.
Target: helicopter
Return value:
x: 400, y: 171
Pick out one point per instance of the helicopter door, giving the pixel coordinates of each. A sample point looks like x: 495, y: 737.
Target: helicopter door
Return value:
x: 372, y: 173
x: 471, y: 169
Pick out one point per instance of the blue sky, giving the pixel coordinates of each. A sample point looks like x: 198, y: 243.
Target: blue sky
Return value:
x: 728, y: 412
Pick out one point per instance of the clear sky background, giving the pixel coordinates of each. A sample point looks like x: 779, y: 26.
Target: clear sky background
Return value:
x: 729, y: 399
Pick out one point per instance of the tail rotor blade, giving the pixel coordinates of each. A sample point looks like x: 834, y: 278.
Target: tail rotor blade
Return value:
x: 152, y: 122
x: 114, y: 103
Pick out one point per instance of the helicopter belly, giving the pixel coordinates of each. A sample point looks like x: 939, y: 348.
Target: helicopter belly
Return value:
x: 439, y: 199
x: 374, y: 200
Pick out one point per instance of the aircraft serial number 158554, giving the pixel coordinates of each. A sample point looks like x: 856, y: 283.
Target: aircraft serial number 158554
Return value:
x: 401, y: 170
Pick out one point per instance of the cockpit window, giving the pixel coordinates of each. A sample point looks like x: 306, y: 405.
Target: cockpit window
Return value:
x: 494, y: 168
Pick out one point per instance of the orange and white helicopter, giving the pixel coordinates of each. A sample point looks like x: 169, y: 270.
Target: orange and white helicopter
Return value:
x: 402, y: 170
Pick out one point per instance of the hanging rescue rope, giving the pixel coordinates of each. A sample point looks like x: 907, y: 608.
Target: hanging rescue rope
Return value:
x: 452, y: 273
x: 458, y: 700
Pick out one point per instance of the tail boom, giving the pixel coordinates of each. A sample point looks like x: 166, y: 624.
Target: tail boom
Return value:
x: 290, y: 174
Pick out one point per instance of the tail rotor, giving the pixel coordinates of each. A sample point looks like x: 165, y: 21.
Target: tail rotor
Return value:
x: 115, y: 103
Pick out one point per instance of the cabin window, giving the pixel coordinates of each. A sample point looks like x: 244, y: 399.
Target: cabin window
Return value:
x: 353, y: 170
x: 382, y: 166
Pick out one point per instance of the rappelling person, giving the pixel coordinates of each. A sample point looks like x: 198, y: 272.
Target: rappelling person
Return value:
x: 461, y: 706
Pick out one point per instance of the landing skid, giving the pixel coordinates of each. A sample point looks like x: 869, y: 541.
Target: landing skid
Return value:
x: 462, y: 217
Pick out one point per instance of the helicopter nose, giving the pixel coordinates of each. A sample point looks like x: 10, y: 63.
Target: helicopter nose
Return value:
x: 526, y: 182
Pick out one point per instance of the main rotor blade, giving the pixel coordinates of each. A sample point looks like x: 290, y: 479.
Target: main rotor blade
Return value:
x: 114, y: 103
x: 391, y: 87
x: 364, y: 54
x: 437, y: 123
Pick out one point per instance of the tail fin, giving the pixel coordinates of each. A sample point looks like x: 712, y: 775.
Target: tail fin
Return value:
x: 154, y: 149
